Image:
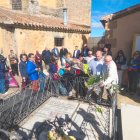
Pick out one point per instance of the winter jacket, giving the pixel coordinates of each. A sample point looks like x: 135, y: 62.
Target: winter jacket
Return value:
x: 2, y: 67
x: 46, y: 56
x: 22, y: 68
x: 32, y: 73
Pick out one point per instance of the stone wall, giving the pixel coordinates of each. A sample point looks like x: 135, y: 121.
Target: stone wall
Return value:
x: 6, y: 4
x: 120, y: 34
x: 7, y: 40
x: 32, y: 40
x: 79, y: 11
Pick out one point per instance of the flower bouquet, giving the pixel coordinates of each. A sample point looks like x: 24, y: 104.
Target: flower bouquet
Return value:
x: 93, y: 80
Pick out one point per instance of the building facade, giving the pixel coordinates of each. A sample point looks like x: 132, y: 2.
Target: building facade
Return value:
x: 120, y: 29
x: 32, y: 25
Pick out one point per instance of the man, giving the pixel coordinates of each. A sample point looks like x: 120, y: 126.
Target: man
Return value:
x: 46, y: 56
x: 85, y: 50
x: 2, y: 73
x: 23, y: 53
x: 32, y: 72
x: 76, y: 53
x: 55, y: 53
x: 89, y: 57
x: 38, y: 60
x: 63, y: 53
x: 13, y: 62
x: 110, y: 77
x: 23, y: 72
x: 96, y: 64
x: 110, y: 71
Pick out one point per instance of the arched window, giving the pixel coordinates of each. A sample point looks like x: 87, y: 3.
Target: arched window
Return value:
x: 16, y: 5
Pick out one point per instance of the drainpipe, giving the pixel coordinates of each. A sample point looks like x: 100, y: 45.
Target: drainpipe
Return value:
x: 65, y: 16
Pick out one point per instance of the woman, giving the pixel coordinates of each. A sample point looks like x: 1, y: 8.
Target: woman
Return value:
x: 107, y: 50
x: 120, y: 61
x: 133, y: 72
x: 38, y: 60
x: 13, y: 62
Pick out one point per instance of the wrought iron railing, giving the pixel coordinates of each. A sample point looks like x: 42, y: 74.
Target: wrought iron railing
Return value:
x: 22, y: 103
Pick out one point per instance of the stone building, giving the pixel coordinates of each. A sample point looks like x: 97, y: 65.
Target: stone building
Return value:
x: 32, y: 25
x: 121, y: 28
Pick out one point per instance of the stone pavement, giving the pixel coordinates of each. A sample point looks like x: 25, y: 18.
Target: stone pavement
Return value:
x: 86, y: 122
x: 130, y: 116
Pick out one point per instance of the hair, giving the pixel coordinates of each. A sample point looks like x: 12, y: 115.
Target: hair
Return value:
x: 23, y: 55
x: 84, y: 61
x: 30, y: 54
x: 53, y: 60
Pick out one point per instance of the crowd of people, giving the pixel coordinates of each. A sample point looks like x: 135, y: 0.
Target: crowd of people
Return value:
x: 100, y: 63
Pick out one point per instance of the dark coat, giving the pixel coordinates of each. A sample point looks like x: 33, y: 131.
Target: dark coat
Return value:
x: 77, y: 54
x: 22, y: 68
x: 54, y: 52
x: 52, y: 68
x: 85, y: 52
x: 46, y: 56
x: 63, y: 52
x: 2, y: 67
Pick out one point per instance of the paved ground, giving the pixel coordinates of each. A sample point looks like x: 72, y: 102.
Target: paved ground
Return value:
x: 127, y: 98
x: 130, y: 122
x: 86, y: 122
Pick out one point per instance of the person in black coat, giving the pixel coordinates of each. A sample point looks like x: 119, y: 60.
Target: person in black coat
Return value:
x: 46, y: 56
x: 55, y: 53
x: 63, y: 53
x: 2, y: 73
x: 23, y: 72
x: 85, y: 50
x: 76, y: 52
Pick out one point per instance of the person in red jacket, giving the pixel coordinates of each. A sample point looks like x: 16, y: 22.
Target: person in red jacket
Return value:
x: 38, y: 60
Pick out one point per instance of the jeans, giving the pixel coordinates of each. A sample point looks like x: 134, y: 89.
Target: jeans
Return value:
x: 2, y: 86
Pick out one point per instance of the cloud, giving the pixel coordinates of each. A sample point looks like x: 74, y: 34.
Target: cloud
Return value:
x: 96, y: 25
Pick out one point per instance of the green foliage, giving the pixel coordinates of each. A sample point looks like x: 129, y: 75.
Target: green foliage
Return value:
x: 99, y: 109
x: 93, y: 80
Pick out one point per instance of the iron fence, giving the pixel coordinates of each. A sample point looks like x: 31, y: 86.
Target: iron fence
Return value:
x: 22, y: 103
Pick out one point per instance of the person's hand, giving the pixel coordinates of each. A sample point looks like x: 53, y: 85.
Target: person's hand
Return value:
x: 37, y: 69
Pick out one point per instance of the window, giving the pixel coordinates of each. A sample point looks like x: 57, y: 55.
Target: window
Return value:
x: 16, y: 5
x: 59, y: 41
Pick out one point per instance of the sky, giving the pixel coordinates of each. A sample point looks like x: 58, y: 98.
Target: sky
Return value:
x: 101, y: 8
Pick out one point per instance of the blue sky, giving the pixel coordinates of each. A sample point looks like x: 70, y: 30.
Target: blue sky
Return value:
x: 104, y: 7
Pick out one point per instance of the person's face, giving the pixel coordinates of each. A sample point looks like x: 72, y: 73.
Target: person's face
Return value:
x: 12, y: 52
x: 105, y: 49
x: 98, y: 55
x: 120, y: 54
x: 32, y: 58
x: 76, y: 48
x: 24, y: 58
x: 90, y: 54
x: 81, y: 58
x: 107, y: 61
